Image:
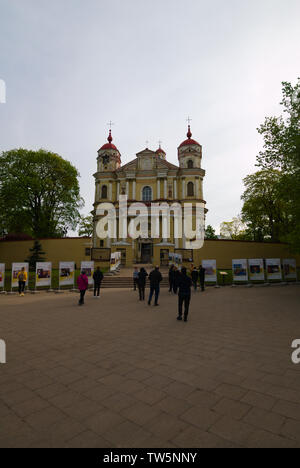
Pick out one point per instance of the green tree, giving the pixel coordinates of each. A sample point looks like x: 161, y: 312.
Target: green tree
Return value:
x: 265, y: 211
x: 210, y: 233
x: 40, y: 193
x: 234, y: 229
x: 36, y: 255
x: 86, y: 226
x: 282, y: 152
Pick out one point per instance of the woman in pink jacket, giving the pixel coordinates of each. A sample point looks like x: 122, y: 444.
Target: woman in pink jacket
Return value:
x: 83, y: 284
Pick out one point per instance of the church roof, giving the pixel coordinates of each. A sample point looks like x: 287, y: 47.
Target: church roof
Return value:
x: 109, y: 145
x: 160, y: 150
x: 189, y: 141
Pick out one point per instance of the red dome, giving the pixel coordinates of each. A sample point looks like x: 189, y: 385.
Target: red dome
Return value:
x: 109, y: 145
x: 189, y: 141
x: 160, y: 150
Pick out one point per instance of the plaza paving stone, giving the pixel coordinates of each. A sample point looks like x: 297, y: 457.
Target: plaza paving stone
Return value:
x: 118, y: 373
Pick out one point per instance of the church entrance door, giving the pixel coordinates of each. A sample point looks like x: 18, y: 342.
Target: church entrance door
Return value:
x: 146, y: 253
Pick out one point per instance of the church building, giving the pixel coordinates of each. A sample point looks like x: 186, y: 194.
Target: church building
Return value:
x: 149, y: 178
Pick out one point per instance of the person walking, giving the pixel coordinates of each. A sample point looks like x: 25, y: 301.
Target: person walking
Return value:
x: 171, y: 278
x: 22, y: 278
x: 176, y: 279
x: 142, y: 277
x: 135, y: 278
x: 195, y: 277
x: 98, y: 278
x: 155, y: 280
x: 184, y: 295
x: 83, y: 284
x: 202, y: 277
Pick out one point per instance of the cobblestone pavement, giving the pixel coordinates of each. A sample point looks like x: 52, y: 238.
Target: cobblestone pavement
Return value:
x: 118, y: 373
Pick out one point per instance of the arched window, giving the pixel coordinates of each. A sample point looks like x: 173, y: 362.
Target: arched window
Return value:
x: 190, y: 189
x: 104, y: 191
x: 147, y: 194
x: 190, y: 164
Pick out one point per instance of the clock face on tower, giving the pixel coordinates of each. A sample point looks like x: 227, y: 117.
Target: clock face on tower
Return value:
x: 105, y: 159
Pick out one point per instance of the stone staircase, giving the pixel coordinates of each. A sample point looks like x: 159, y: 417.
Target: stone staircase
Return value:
x: 124, y: 280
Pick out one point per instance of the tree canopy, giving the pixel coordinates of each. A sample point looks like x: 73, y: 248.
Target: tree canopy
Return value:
x: 39, y: 193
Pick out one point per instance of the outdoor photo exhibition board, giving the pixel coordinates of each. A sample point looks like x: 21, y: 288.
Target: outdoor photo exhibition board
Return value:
x: 256, y: 269
x: 289, y: 268
x: 2, y: 274
x: 273, y: 267
x: 16, y: 269
x: 43, y: 274
x: 115, y: 260
x: 89, y: 268
x: 240, y: 270
x: 210, y: 267
x: 66, y: 273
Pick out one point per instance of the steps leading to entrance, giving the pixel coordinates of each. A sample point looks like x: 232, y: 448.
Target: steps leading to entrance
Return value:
x: 126, y: 282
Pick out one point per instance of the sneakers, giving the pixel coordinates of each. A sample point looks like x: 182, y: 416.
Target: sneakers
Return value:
x: 179, y: 318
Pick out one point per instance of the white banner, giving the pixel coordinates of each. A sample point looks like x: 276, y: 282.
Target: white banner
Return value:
x: 210, y: 267
x: 2, y: 274
x: 115, y: 260
x: 89, y: 268
x: 15, y: 270
x: 239, y: 270
x: 289, y: 268
x: 256, y: 269
x: 66, y: 273
x: 273, y: 269
x: 43, y: 274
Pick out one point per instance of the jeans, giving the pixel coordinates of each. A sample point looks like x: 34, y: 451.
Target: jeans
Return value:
x: 21, y: 286
x: 82, y: 294
x: 97, y: 289
x: 142, y: 292
x: 156, y: 290
x: 184, y: 299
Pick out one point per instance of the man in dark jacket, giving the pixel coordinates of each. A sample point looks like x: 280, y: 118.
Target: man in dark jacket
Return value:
x: 176, y: 279
x: 202, y: 277
x: 142, y: 276
x: 155, y: 280
x: 184, y: 296
x: 97, y: 277
x: 195, y: 278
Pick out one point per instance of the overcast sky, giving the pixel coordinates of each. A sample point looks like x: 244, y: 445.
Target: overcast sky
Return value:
x: 71, y: 66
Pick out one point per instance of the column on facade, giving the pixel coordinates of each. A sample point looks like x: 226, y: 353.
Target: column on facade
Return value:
x: 118, y: 190
x: 158, y: 188
x: 133, y: 189
x: 165, y: 188
x: 183, y: 187
x: 110, y: 191
x: 127, y: 189
x: 175, y: 189
x: 197, y: 188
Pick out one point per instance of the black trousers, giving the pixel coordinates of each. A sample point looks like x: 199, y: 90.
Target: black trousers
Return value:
x: 97, y: 289
x: 175, y: 288
x: 195, y: 285
x: 142, y: 292
x: 171, y: 285
x: 184, y: 299
x: 135, y: 283
x: 21, y: 286
x: 202, y: 285
x: 156, y: 290
x: 82, y: 294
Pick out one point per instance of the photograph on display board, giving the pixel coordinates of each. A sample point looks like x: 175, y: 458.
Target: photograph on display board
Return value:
x: 256, y: 269
x: 42, y: 274
x: 273, y: 268
x: 16, y: 269
x: 239, y: 270
x: 290, y: 268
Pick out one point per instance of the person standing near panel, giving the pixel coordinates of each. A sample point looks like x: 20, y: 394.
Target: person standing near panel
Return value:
x: 171, y: 278
x: 202, y: 277
x: 98, y: 278
x: 155, y: 280
x: 83, y: 284
x: 22, y: 278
